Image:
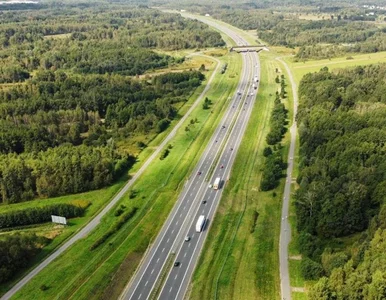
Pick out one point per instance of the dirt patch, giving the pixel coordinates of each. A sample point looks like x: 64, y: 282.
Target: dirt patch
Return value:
x: 121, y: 277
x: 297, y: 289
x: 296, y: 257
x: 52, y: 234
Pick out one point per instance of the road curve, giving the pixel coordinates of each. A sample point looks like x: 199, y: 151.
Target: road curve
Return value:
x: 196, y: 198
x: 96, y: 220
x: 285, y: 228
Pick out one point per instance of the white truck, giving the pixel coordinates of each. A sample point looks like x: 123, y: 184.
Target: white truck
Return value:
x: 200, y: 223
x: 216, y: 184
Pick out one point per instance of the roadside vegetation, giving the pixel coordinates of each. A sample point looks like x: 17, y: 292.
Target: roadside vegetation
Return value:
x: 77, y: 116
x: 240, y: 256
x: 114, y: 260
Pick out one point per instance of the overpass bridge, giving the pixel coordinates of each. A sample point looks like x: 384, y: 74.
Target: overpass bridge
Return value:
x: 248, y: 48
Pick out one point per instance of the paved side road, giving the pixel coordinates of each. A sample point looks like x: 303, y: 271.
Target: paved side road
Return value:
x: 96, y: 220
x: 285, y: 228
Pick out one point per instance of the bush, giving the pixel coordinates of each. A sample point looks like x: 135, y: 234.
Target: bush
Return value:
x: 16, y: 252
x: 38, y: 215
x: 310, y: 269
x: 122, y: 220
x: 267, y: 151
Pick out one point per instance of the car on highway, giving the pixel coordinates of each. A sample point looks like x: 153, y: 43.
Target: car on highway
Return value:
x: 239, y: 92
x: 199, y: 173
x: 177, y: 264
x: 223, y: 126
x: 187, y: 238
x: 210, y: 186
x: 231, y: 149
x: 204, y: 202
x: 222, y: 167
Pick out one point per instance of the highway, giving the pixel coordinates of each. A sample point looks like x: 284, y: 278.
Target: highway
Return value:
x: 285, y: 228
x: 96, y: 220
x: 197, y: 197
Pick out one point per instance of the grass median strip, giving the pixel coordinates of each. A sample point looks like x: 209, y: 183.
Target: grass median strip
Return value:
x: 162, y: 277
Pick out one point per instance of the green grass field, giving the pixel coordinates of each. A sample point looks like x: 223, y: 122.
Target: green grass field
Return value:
x: 102, y: 273
x: 300, y: 69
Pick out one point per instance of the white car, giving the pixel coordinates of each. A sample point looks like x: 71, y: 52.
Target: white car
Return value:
x: 210, y: 186
x: 187, y: 238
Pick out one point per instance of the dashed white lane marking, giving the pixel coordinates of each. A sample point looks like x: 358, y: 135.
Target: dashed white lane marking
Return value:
x: 185, y: 254
x: 152, y: 271
x: 140, y: 296
x: 163, y: 249
x: 175, y: 277
x: 146, y: 283
x: 158, y: 259
x: 168, y: 241
x: 173, y: 229
x: 170, y: 290
x: 177, y: 223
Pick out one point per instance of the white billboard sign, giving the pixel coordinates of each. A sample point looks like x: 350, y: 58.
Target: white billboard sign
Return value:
x: 60, y: 220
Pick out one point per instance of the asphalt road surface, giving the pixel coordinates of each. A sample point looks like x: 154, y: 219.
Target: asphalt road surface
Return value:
x: 198, y: 198
x: 95, y: 221
x: 285, y: 228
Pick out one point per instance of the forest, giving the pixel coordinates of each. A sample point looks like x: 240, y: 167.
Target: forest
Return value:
x: 342, y: 182
x: 344, y: 31
x: 69, y: 90
x: 16, y: 251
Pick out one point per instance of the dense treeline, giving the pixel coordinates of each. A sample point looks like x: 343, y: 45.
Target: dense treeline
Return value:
x: 36, y: 215
x: 342, y: 35
x: 55, y: 108
x: 105, y: 39
x: 274, y: 164
x: 16, y: 251
x: 71, y: 97
x: 277, y: 122
x: 342, y: 128
x: 58, y: 171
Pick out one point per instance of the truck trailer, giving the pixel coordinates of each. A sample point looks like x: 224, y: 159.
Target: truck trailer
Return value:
x: 200, y: 223
x: 216, y: 184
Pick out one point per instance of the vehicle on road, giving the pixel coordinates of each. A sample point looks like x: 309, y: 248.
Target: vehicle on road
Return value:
x: 200, y: 223
x: 223, y: 126
x: 255, y: 86
x: 187, y: 238
x: 222, y: 167
x: 199, y: 173
x: 210, y: 186
x: 204, y: 202
x: 216, y: 184
x: 177, y: 264
x: 231, y: 149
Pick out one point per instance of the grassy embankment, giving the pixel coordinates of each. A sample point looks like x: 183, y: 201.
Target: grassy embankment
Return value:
x: 102, y: 273
x: 300, y: 69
